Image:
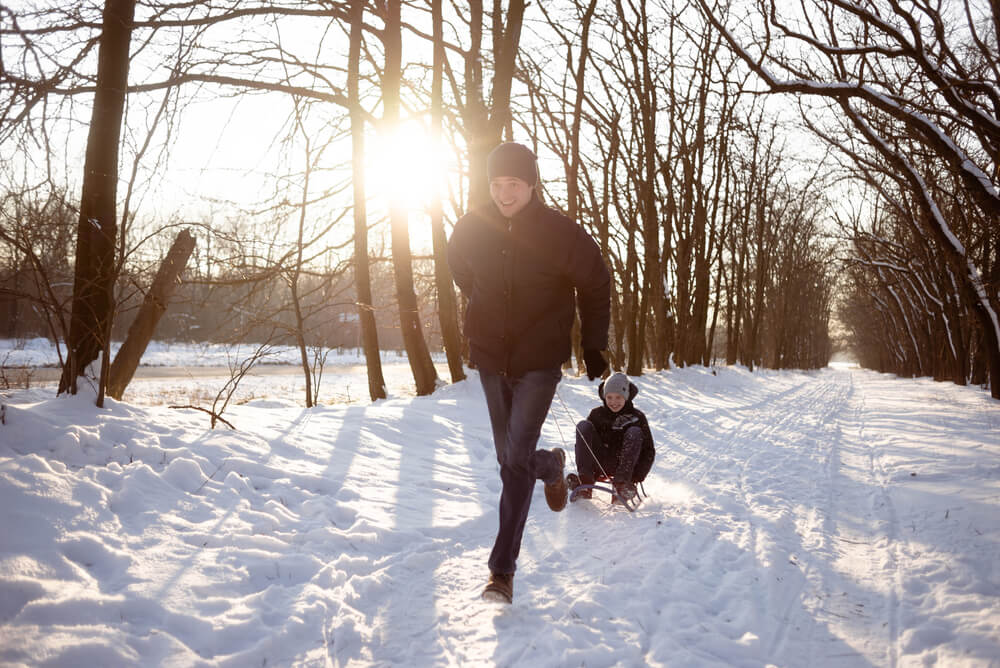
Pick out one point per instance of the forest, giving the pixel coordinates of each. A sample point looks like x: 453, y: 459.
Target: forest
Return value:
x: 768, y: 182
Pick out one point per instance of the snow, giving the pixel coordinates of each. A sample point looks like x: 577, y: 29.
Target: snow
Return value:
x: 830, y: 518
x: 196, y: 372
x: 41, y: 352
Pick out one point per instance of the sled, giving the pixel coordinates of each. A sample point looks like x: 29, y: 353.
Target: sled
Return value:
x: 602, y: 484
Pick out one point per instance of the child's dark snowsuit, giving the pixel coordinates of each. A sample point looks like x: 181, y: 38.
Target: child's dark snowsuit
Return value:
x: 621, y: 442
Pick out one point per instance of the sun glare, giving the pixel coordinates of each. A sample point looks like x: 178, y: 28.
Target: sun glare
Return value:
x: 405, y: 168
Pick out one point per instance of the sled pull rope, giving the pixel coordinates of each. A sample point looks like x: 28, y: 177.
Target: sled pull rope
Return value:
x: 585, y: 441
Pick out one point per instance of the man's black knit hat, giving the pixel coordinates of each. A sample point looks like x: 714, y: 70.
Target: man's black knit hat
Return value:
x: 512, y: 159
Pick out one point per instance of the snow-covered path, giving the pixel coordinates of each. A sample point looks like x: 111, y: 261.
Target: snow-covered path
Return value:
x: 835, y: 518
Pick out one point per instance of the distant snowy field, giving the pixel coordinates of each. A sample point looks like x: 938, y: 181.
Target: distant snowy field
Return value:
x: 41, y: 352
x: 191, y: 373
x: 830, y: 518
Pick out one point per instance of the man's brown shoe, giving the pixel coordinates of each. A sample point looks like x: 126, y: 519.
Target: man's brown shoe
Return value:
x: 556, y: 492
x: 500, y: 588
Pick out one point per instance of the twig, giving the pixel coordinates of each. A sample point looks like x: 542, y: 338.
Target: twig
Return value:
x: 215, y: 416
x: 217, y: 469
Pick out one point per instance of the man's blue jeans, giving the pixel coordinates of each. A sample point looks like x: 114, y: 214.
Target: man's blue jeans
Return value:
x: 518, y: 407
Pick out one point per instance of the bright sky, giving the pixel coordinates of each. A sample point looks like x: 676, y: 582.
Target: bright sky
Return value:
x: 231, y: 150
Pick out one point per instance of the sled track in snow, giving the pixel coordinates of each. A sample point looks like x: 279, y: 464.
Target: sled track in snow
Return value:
x: 797, y: 424
x: 886, y: 522
x: 748, y: 460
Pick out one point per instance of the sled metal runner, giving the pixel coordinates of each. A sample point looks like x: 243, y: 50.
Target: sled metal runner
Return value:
x: 630, y: 504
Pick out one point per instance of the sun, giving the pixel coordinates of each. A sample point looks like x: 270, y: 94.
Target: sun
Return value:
x: 404, y: 167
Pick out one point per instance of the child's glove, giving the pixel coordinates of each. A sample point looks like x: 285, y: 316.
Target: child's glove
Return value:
x: 594, y: 361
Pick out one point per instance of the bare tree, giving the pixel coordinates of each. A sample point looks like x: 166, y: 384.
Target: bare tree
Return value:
x: 484, y: 124
x: 914, y: 85
x: 239, y: 367
x: 154, y: 305
x: 36, y: 237
x: 362, y: 279
x: 93, y: 302
x: 447, y: 303
x: 424, y: 373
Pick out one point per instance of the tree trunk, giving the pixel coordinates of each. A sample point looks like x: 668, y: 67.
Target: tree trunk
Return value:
x: 93, y: 284
x: 362, y: 275
x: 506, y: 39
x: 573, y: 173
x: 300, y: 341
x: 153, y: 306
x: 296, y: 273
x: 447, y: 304
x: 709, y: 359
x: 652, y: 306
x: 484, y: 125
x: 573, y: 159
x: 475, y: 114
x: 424, y: 373
x: 601, y: 213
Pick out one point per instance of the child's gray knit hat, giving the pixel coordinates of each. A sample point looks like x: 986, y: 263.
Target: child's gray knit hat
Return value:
x: 618, y: 383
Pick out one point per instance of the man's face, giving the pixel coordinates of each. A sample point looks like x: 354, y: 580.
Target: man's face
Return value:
x: 510, y: 194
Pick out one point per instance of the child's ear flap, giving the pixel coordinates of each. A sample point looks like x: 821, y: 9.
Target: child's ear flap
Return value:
x: 632, y: 391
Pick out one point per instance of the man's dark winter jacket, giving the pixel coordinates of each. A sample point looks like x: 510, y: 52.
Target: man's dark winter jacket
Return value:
x: 519, y: 276
x: 611, y: 426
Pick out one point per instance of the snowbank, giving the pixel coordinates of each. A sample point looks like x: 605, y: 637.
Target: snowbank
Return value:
x: 836, y: 518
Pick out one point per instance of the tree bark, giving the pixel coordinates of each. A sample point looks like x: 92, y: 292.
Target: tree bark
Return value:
x: 93, y: 284
x: 295, y: 275
x: 573, y: 173
x: 424, y: 373
x: 154, y: 305
x: 447, y: 303
x: 652, y: 304
x: 362, y: 274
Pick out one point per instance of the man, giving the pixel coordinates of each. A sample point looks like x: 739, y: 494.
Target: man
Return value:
x: 525, y: 269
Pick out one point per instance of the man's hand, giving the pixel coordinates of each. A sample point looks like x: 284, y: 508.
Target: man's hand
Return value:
x: 594, y: 361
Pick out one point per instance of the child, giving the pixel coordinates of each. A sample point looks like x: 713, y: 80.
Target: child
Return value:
x: 614, y: 441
